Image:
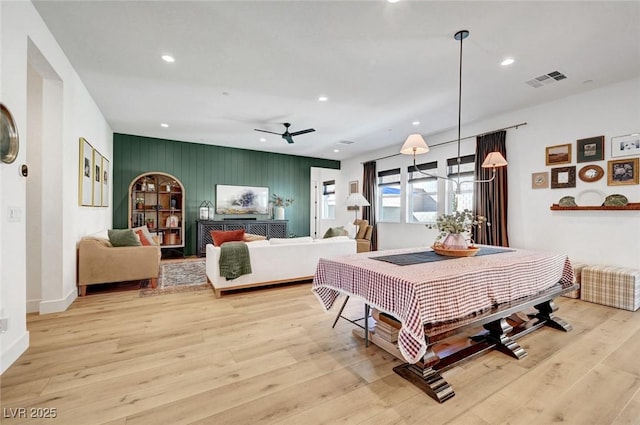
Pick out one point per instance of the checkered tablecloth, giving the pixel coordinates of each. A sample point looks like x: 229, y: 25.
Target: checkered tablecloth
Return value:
x: 439, y: 291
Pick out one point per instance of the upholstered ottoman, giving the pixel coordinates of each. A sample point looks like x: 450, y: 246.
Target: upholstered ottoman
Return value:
x: 577, y: 271
x: 613, y: 286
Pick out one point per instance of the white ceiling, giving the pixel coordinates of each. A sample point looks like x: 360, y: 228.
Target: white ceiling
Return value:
x: 242, y: 65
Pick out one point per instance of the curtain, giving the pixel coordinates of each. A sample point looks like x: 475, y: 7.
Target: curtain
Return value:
x: 491, y: 198
x: 369, y: 192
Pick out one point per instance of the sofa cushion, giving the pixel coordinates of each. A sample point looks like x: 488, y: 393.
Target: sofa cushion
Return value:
x: 145, y: 235
x: 335, y: 231
x: 221, y: 236
x: 331, y: 240
x: 351, y: 230
x: 250, y: 237
x: 123, y: 237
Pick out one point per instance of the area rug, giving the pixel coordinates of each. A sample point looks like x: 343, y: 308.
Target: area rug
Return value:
x: 179, y: 276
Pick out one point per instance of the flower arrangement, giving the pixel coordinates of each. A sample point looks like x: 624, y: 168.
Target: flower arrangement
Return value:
x: 279, y: 201
x: 457, y: 222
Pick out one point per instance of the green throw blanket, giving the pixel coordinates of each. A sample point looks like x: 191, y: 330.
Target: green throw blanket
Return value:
x: 234, y: 260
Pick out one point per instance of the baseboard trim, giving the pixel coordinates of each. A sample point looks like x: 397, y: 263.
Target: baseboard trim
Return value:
x: 57, y: 306
x: 14, y: 352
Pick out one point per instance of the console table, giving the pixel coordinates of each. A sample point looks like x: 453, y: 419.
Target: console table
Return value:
x: 268, y: 228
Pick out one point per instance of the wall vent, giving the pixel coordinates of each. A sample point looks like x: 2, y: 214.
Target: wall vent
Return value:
x: 346, y: 142
x: 546, y: 79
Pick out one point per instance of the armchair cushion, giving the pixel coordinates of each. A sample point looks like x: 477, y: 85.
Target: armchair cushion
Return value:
x: 123, y: 237
x: 335, y: 231
x: 145, y: 235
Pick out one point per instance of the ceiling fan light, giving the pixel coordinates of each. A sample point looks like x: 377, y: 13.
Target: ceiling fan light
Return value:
x: 494, y: 160
x: 414, y: 144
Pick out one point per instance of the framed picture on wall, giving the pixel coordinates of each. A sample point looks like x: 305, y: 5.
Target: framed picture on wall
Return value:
x: 97, y: 179
x: 558, y: 154
x: 623, y: 171
x: 85, y: 174
x: 563, y: 177
x: 590, y: 149
x: 540, y: 180
x: 627, y: 145
x: 353, y: 187
x: 105, y: 182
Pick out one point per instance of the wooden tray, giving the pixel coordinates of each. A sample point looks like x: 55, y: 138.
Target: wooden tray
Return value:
x: 469, y: 252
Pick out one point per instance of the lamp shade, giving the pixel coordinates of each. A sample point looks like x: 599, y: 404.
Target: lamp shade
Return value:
x: 357, y: 200
x: 493, y: 160
x: 414, y: 144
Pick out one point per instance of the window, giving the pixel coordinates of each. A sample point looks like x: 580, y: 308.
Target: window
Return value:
x: 422, y: 194
x: 465, y: 190
x: 389, y: 195
x: 329, y: 200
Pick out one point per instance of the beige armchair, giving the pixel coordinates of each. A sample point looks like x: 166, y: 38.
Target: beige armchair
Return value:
x: 101, y: 262
x: 363, y: 237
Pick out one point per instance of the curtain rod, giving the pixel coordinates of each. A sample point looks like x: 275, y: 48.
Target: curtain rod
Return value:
x: 455, y: 140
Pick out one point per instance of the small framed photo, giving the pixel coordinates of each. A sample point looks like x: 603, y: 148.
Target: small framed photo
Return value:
x: 559, y: 154
x: 353, y: 187
x: 563, y: 177
x: 540, y: 180
x: 151, y: 187
x: 590, y: 149
x: 627, y: 145
x: 623, y: 171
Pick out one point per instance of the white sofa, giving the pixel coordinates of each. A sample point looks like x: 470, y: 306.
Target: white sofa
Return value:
x: 278, y: 260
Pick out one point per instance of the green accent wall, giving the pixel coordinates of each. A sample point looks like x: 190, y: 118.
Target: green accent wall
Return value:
x: 200, y: 167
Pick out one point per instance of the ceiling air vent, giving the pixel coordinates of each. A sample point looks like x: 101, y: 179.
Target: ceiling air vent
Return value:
x: 346, y: 142
x: 546, y: 79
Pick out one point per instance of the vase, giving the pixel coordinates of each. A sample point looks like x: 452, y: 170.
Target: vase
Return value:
x: 279, y: 213
x: 455, y: 241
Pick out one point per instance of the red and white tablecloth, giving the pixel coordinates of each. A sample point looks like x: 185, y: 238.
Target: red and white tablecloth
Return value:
x: 438, y: 291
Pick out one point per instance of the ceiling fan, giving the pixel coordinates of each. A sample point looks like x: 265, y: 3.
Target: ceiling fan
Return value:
x: 286, y: 135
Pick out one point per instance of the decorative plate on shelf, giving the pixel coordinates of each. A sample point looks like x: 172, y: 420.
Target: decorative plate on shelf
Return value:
x: 591, y: 173
x: 590, y: 198
x: 616, y: 200
x: 567, y: 201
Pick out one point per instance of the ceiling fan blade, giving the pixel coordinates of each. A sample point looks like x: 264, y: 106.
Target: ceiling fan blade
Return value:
x: 265, y: 131
x: 287, y: 137
x: 308, y: 130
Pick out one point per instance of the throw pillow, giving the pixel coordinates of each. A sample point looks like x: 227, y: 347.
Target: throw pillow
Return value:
x: 221, y: 236
x: 351, y: 230
x: 145, y: 235
x: 123, y: 237
x: 250, y: 237
x: 334, y: 231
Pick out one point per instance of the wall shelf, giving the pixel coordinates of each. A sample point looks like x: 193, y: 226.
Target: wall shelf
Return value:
x: 629, y: 207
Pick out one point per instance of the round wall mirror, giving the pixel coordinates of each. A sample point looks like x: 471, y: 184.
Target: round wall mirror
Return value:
x: 9, y: 142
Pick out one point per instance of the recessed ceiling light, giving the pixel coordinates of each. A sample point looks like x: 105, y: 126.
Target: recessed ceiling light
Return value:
x: 416, y: 123
x: 168, y: 58
x: 507, y: 61
x: 322, y: 98
x: 262, y: 139
x: 336, y: 150
x: 393, y: 1
x: 165, y: 125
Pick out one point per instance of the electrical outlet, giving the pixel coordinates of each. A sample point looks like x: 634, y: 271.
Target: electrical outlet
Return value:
x: 4, y: 324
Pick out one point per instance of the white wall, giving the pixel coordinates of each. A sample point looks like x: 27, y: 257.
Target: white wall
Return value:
x: 63, y: 220
x: 598, y: 237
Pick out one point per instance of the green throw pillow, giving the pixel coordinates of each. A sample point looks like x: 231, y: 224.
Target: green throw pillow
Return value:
x: 335, y: 231
x: 123, y: 237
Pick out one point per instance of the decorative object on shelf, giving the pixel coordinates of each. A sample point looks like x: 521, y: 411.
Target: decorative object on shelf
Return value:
x: 241, y: 199
x: 172, y: 221
x: 9, y: 140
x: 567, y: 201
x: 355, y: 201
x: 173, y: 203
x: 540, y: 180
x: 139, y: 203
x: 615, y: 200
x: 279, y: 204
x: 415, y: 143
x: 623, y: 172
x: 563, y: 177
x: 591, y: 173
x: 452, y: 226
x: 558, y: 154
x: 627, y: 145
x: 206, y: 210
x: 590, y: 198
x: 590, y: 149
x: 151, y: 223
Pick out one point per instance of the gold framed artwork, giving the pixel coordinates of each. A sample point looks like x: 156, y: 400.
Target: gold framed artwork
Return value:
x: 558, y: 154
x: 105, y: 182
x: 85, y: 174
x: 590, y: 149
x: 563, y: 177
x: 623, y: 171
x: 97, y: 179
x: 540, y: 180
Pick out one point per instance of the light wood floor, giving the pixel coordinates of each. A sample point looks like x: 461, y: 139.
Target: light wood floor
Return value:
x: 271, y: 356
